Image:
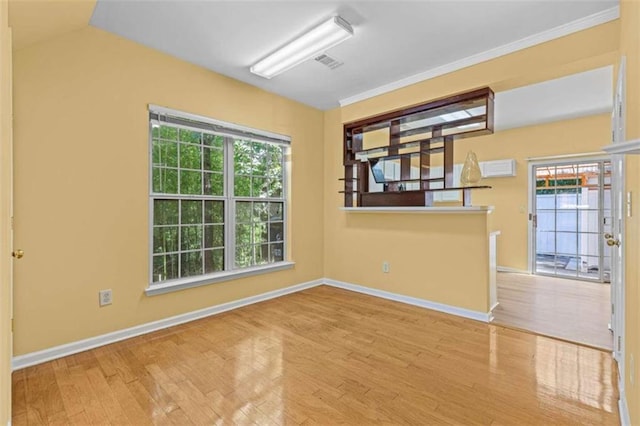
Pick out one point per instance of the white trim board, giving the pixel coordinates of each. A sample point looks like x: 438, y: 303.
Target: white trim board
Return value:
x: 435, y: 306
x: 552, y: 34
x: 625, y: 420
x: 628, y: 147
x: 512, y: 270
x: 33, y: 358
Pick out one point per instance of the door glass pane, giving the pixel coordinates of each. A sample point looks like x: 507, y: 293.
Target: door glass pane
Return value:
x: 566, y: 220
x: 590, y: 267
x: 567, y: 200
x: 546, y: 220
x: 567, y: 243
x: 570, y: 222
x: 589, y: 244
x: 588, y: 221
x: 546, y: 242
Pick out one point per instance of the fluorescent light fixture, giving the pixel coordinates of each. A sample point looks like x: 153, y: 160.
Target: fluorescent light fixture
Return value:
x: 318, y: 40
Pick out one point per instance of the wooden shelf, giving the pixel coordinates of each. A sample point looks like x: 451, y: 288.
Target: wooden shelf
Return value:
x: 398, y: 145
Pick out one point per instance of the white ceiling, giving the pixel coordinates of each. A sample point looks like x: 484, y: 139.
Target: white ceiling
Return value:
x: 395, y: 42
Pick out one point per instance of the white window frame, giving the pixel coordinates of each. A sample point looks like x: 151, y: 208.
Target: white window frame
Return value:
x: 230, y: 132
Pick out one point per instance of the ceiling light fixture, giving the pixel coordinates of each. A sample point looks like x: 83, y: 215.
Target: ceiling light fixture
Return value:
x: 318, y: 40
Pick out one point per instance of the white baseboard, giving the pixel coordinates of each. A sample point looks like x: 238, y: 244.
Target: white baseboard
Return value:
x: 440, y: 307
x: 625, y: 420
x: 514, y: 270
x: 55, y: 352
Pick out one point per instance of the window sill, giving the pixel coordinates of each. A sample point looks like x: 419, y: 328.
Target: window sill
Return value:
x: 182, y: 284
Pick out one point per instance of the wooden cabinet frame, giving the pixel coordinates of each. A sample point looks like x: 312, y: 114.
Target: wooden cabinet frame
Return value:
x: 424, y: 130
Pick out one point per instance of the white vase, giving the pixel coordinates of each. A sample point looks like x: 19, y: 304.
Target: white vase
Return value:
x: 471, y: 173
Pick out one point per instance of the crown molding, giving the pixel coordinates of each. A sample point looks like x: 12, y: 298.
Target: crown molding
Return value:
x: 539, y: 38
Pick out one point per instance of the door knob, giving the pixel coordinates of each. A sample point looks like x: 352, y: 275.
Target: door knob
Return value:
x: 611, y: 242
x: 18, y: 254
x: 608, y: 236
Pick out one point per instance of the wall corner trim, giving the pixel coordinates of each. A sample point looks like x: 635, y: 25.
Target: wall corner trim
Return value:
x: 625, y: 420
x: 33, y: 358
x: 435, y: 306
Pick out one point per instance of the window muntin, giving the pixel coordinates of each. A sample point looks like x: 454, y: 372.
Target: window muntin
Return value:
x: 259, y: 233
x: 209, y: 213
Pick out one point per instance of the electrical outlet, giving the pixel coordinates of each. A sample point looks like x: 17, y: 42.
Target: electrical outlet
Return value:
x: 385, y: 267
x: 105, y: 297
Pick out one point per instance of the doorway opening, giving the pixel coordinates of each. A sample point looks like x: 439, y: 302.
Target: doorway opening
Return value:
x: 568, y: 294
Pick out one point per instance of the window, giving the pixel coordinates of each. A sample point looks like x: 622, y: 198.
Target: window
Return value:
x: 217, y: 198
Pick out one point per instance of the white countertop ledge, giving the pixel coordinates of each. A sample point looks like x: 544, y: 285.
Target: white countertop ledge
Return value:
x: 417, y: 209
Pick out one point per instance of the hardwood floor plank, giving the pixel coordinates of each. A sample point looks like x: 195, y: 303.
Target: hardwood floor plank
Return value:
x: 577, y: 311
x: 18, y: 394
x: 325, y: 356
x: 114, y: 413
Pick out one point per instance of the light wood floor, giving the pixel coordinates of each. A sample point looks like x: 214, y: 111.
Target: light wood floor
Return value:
x: 324, y: 356
x: 578, y: 311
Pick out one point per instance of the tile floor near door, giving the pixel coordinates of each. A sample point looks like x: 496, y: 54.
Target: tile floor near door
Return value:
x: 578, y: 311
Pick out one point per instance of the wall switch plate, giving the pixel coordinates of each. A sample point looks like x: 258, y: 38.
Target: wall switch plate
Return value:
x: 105, y: 297
x: 385, y: 267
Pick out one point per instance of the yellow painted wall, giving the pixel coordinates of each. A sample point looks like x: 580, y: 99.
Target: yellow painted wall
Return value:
x: 630, y: 47
x: 421, y: 251
x: 33, y: 21
x: 509, y: 195
x: 81, y: 183
x: 5, y: 216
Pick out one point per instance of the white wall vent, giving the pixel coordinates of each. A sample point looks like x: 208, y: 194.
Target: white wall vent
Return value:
x: 498, y: 168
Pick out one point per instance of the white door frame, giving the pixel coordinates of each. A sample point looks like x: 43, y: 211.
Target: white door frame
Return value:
x: 618, y: 127
x: 540, y: 161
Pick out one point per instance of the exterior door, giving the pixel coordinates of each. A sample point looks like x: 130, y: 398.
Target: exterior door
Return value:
x: 572, y: 205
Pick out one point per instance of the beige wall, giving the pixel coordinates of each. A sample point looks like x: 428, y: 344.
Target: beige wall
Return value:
x: 81, y: 183
x: 630, y: 47
x: 428, y: 254
x: 509, y: 194
x: 5, y: 216
x: 422, y: 249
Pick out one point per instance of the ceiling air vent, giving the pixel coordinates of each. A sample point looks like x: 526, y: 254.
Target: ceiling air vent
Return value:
x: 330, y: 62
